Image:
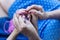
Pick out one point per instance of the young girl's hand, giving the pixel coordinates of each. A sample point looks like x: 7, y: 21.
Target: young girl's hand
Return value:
x: 19, y: 24
x: 19, y: 19
x: 25, y: 26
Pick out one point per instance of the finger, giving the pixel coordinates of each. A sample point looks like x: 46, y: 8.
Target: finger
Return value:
x: 19, y: 24
x: 21, y: 20
x: 28, y: 17
x: 34, y: 12
x: 36, y: 7
x: 16, y: 21
x: 28, y: 22
x: 21, y: 11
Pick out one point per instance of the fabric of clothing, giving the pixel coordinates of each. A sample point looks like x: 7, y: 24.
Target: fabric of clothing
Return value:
x: 48, y: 29
x: 3, y: 35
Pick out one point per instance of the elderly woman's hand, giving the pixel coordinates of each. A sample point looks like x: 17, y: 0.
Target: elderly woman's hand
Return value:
x: 37, y: 10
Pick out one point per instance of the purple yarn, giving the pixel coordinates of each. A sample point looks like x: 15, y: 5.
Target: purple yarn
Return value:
x: 11, y: 26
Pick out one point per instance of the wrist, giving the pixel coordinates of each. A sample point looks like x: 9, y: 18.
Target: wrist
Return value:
x: 31, y: 38
x: 34, y: 37
x: 44, y: 15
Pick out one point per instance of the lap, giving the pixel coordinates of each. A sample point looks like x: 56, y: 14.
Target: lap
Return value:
x: 52, y: 31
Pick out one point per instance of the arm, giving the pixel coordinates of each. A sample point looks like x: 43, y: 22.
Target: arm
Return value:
x: 32, y: 35
x: 30, y: 31
x: 38, y: 10
x: 6, y: 4
x: 54, y: 14
x: 13, y: 35
x: 2, y: 13
x: 47, y: 15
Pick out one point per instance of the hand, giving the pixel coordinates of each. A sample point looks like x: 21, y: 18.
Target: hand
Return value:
x: 24, y: 12
x: 19, y: 25
x: 37, y: 10
x: 24, y: 26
